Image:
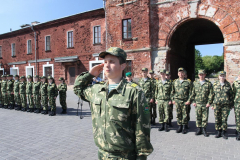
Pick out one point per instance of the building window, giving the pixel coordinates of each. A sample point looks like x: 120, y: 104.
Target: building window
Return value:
x: 0, y: 51
x: 127, y: 29
x: 48, y: 44
x: 70, y: 39
x: 97, y: 35
x: 48, y: 70
x: 13, y: 50
x: 29, y: 47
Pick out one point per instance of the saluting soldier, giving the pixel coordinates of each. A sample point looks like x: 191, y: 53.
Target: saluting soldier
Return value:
x: 16, y: 92
x: 201, y: 98
x: 4, y: 92
x: 153, y: 105
x: 29, y: 93
x: 36, y: 94
x: 120, y: 114
x: 163, y: 100
x: 181, y: 91
x: 147, y: 85
x: 62, y: 89
x: 22, y: 91
x: 222, y: 101
x: 44, y: 95
x: 168, y: 77
x: 52, y: 95
x: 10, y: 92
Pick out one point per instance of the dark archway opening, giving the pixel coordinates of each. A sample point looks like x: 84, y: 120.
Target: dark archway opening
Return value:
x: 183, y: 41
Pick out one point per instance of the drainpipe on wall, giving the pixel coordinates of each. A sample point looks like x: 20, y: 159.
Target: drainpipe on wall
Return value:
x: 35, y: 49
x: 104, y: 6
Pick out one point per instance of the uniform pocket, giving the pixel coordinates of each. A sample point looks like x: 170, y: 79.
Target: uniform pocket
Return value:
x: 119, y: 111
x: 96, y: 106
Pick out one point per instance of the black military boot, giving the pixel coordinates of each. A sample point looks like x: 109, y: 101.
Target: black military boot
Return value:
x: 161, y: 127
x: 5, y: 106
x: 238, y: 136
x: 199, y: 131
x: 1, y: 106
x: 17, y: 108
x: 9, y: 106
x: 32, y: 110
x: 153, y: 121
x: 170, y: 122
x: 166, y: 127
x: 224, y: 135
x: 28, y: 110
x: 53, y: 113
x: 218, y: 135
x: 24, y: 109
x: 37, y: 111
x: 64, y: 111
x: 184, y: 129
x: 179, y: 129
x: 205, y: 132
x: 187, y: 126
x: 43, y: 111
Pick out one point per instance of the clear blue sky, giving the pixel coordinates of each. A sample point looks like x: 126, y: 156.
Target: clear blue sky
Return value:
x: 210, y: 49
x: 14, y: 13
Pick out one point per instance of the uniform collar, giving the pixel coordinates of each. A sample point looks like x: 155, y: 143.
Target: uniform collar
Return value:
x: 120, y: 88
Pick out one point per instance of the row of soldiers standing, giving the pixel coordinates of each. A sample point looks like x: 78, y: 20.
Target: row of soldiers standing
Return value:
x: 15, y: 93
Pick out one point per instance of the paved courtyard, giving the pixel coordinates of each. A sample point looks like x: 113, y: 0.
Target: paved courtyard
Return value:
x: 30, y: 136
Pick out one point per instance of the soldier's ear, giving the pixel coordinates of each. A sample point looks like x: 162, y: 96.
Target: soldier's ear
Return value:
x: 123, y: 66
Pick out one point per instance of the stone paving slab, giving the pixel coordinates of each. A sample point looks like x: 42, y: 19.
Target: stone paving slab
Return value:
x: 30, y: 136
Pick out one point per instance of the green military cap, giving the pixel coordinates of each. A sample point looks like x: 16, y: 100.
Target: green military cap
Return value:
x: 16, y: 75
x: 162, y: 70
x: 151, y: 72
x: 222, y: 72
x: 9, y: 75
x: 129, y: 74
x: 201, y: 71
x: 43, y: 77
x: 168, y: 72
x: 61, y: 79
x: 144, y: 69
x: 115, y: 51
x: 36, y: 76
x: 22, y: 77
x: 50, y: 77
x: 29, y: 76
x: 3, y: 76
x: 181, y: 69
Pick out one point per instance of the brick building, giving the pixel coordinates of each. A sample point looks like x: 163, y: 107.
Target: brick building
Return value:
x: 155, y: 34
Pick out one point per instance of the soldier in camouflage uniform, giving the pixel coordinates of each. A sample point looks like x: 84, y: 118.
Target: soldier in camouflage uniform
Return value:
x: 44, y: 95
x: 120, y: 114
x: 201, y: 98
x: 36, y: 94
x: 236, y: 96
x: 222, y: 102
x: 22, y: 92
x: 16, y: 92
x: 62, y: 89
x: 153, y: 106
x: 181, y: 91
x: 163, y: 100
x: 168, y: 77
x: 10, y: 93
x: 147, y: 85
x: 4, y: 92
x: 52, y: 95
x: 188, y: 106
x: 129, y: 77
x: 29, y: 93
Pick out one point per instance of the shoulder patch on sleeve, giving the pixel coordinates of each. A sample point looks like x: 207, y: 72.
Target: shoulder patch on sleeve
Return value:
x: 134, y: 85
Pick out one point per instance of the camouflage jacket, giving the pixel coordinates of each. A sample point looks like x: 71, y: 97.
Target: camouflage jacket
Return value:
x: 222, y: 94
x: 10, y: 84
x: 163, y: 91
x: 201, y: 94
x: 147, y: 87
x: 52, y: 90
x: 154, y: 82
x: 4, y: 86
x: 236, y: 91
x: 16, y: 86
x: 36, y: 88
x: 121, y: 118
x: 43, y: 89
x: 181, y: 91
x: 29, y: 88
x: 62, y: 88
x: 22, y: 87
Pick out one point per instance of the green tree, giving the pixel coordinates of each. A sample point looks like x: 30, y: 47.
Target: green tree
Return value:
x: 198, y: 61
x: 213, y: 64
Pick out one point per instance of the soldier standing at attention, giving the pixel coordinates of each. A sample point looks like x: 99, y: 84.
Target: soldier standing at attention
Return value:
x: 52, y: 95
x: 181, y: 92
x: 10, y: 92
x: 36, y: 94
x: 163, y: 100
x: 146, y: 84
x: 201, y: 98
x: 29, y: 93
x: 129, y: 77
x: 153, y: 105
x: 168, y: 77
x: 4, y: 92
x: 120, y: 114
x: 222, y: 102
x: 44, y: 95
x: 16, y: 92
x: 22, y: 92
x: 62, y: 89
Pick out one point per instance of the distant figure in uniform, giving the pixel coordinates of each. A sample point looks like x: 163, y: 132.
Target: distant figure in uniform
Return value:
x: 16, y: 92
x: 188, y: 106
x: 36, y: 94
x: 44, y: 95
x: 22, y: 92
x: 62, y: 89
x: 222, y: 102
x: 168, y: 77
x: 10, y: 92
x: 52, y: 95
x: 4, y: 92
x: 129, y: 77
x: 29, y: 93
x: 153, y: 106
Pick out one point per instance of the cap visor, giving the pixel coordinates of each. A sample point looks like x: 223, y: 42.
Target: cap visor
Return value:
x: 103, y: 54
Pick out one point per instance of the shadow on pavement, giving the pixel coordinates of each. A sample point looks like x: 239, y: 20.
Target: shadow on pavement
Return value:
x: 74, y: 112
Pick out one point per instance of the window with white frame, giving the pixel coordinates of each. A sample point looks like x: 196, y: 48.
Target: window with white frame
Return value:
x: 47, y: 43
x: 70, y: 39
x: 48, y: 70
x: 13, y: 50
x: 0, y: 51
x: 97, y: 35
x: 29, y: 47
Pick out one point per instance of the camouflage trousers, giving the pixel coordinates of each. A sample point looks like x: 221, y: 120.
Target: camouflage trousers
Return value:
x: 23, y: 99
x: 52, y: 103
x: 202, y: 115
x: 30, y: 101
x: 171, y: 111
x: 181, y: 112
x: 62, y: 99
x: 153, y: 110
x: 237, y: 116
x: 221, y: 116
x: 17, y: 98
x: 36, y: 101
x: 102, y: 155
x: 10, y: 97
x: 188, y: 112
x: 163, y: 110
x: 4, y: 98
x: 44, y: 101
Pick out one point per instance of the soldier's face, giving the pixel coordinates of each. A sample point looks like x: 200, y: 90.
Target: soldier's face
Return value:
x: 112, y: 67
x: 144, y: 73
x: 222, y: 77
x: 129, y: 78
x: 29, y: 80
x: 50, y: 80
x: 151, y: 75
x: 21, y: 79
x: 36, y: 79
x: 16, y: 78
x: 168, y: 76
x: 9, y: 78
x: 61, y: 81
x: 201, y: 76
x: 181, y: 74
x: 163, y: 75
